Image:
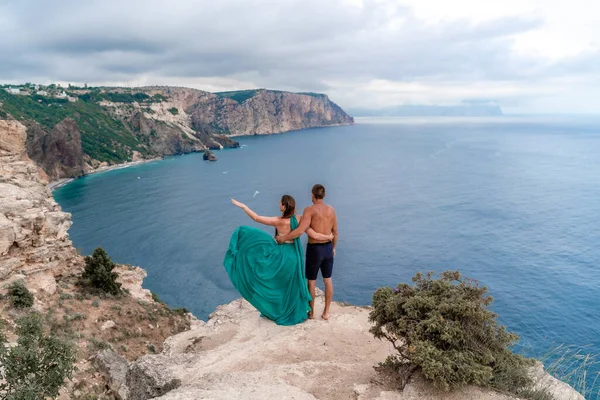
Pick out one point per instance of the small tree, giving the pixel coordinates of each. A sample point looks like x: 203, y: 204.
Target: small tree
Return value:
x: 37, y: 366
x: 99, y: 274
x: 20, y: 296
x: 444, y: 328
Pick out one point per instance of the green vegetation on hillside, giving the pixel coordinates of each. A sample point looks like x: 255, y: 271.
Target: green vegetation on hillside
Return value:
x: 443, y: 328
x: 242, y: 95
x: 20, y: 296
x: 312, y: 94
x: 98, y: 273
x: 238, y: 95
x: 103, y: 137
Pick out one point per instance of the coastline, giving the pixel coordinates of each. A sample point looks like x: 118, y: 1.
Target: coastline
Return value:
x: 64, y: 181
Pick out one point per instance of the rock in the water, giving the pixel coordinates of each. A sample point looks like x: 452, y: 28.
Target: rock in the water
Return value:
x: 114, y: 367
x: 150, y: 378
x: 209, y: 156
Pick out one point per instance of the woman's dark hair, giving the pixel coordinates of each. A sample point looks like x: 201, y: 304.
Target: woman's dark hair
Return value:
x: 289, y: 206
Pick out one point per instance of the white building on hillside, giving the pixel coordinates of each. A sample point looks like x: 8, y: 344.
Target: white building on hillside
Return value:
x: 42, y: 93
x: 61, y: 95
x: 13, y: 90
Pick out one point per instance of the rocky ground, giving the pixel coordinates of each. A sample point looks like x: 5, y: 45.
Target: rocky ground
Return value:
x: 239, y: 355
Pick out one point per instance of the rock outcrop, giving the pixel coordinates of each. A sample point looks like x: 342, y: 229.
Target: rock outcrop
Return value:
x: 209, y: 156
x: 268, y: 112
x: 58, y: 152
x: 33, y: 228
x: 239, y: 355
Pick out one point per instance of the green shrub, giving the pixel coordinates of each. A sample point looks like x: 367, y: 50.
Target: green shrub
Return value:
x: 37, y: 366
x: 444, y: 328
x: 156, y: 298
x: 239, y: 95
x: 99, y: 274
x: 174, y: 110
x: 20, y: 296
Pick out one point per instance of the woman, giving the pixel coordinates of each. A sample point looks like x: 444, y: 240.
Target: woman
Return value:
x: 271, y: 276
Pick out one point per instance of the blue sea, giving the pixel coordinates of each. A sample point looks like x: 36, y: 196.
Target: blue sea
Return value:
x: 513, y: 202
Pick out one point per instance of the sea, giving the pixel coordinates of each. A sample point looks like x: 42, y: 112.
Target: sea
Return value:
x: 513, y: 202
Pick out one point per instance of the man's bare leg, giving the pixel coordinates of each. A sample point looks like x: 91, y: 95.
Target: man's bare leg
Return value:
x: 328, y: 297
x: 311, y: 288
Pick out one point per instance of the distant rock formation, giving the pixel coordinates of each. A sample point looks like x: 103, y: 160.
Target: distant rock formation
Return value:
x: 268, y: 111
x: 209, y: 156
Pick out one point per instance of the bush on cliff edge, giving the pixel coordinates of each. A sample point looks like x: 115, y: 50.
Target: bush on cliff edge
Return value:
x: 20, y: 296
x: 99, y: 274
x: 443, y: 327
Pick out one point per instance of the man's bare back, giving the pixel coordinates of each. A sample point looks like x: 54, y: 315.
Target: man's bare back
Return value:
x: 322, y: 221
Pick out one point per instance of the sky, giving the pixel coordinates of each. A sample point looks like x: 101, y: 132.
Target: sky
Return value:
x: 529, y: 56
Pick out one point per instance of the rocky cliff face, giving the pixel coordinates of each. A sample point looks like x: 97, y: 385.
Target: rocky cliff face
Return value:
x: 33, y: 228
x: 58, y: 151
x: 268, y: 112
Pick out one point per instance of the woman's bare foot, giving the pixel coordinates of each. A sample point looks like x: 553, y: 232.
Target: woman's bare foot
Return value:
x: 325, y: 316
x: 311, y: 315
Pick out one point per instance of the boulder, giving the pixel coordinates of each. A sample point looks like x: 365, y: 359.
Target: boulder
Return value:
x: 114, y: 368
x: 209, y: 156
x: 150, y: 377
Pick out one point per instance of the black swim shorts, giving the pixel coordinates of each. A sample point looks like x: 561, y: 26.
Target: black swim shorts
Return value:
x: 319, y: 256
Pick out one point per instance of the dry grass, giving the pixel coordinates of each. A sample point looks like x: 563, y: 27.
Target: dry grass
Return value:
x: 576, y: 367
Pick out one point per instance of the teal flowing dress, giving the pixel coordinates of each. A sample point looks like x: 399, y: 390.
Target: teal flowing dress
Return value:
x: 269, y: 275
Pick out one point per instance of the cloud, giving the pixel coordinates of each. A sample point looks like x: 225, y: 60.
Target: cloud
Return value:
x: 362, y: 52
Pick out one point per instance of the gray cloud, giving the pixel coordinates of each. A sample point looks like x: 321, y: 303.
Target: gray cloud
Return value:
x: 296, y: 44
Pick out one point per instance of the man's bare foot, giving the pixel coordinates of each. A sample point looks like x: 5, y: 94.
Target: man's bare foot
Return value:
x: 325, y: 316
x: 311, y: 315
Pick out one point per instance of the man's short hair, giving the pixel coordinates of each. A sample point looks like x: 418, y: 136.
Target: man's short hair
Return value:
x: 318, y: 191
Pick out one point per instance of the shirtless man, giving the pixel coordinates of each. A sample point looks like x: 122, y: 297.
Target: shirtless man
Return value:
x: 319, y: 254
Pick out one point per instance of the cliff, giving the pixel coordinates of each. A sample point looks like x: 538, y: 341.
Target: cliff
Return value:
x: 33, y: 228
x: 35, y: 248
x: 94, y: 128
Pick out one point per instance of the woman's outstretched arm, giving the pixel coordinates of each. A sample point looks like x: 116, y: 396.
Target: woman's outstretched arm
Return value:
x: 271, y: 221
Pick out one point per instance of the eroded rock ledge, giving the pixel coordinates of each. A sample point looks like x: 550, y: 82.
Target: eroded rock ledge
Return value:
x: 33, y: 228
x: 239, y: 355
